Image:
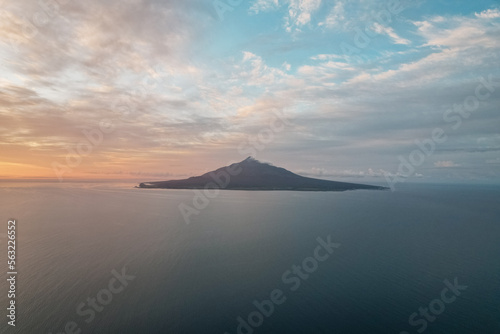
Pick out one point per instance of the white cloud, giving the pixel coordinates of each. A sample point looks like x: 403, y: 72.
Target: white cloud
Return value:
x: 389, y: 31
x: 299, y: 13
x: 459, y: 32
x: 335, y: 17
x: 457, y: 43
x: 489, y: 14
x: 254, y: 71
x: 327, y: 57
x: 264, y: 6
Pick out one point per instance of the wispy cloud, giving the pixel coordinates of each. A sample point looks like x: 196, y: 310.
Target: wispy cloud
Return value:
x: 389, y: 32
x: 336, y: 16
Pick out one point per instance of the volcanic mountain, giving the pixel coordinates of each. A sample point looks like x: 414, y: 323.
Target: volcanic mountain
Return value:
x: 251, y: 174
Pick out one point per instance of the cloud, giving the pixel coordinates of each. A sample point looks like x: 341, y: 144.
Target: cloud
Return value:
x: 458, y: 32
x: 455, y: 43
x: 263, y: 6
x: 299, y: 13
x: 379, y: 29
x: 493, y: 161
x: 254, y: 71
x: 446, y: 164
x: 84, y: 62
x: 489, y: 14
x: 97, y: 37
x: 349, y: 173
x: 335, y: 17
x: 181, y: 86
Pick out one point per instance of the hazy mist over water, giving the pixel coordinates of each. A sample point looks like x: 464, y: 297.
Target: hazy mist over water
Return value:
x: 396, y: 250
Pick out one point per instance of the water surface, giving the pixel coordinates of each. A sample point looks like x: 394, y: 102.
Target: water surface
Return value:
x: 396, y: 249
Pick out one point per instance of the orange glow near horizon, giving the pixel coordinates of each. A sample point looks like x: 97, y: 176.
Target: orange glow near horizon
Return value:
x: 88, y: 171
x: 108, y: 167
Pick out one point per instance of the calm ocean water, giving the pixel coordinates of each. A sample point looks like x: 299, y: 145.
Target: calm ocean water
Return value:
x: 396, y: 250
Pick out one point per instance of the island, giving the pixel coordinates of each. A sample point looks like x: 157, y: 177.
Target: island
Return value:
x: 251, y: 174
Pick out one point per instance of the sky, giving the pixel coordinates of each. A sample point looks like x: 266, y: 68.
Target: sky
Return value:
x: 340, y: 89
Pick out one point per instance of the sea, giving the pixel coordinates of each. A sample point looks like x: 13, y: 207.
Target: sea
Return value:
x: 111, y: 258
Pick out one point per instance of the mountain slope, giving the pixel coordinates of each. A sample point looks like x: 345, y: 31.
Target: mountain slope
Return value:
x: 251, y: 174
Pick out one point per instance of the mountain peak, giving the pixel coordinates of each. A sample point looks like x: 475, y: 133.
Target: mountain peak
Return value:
x: 250, y: 159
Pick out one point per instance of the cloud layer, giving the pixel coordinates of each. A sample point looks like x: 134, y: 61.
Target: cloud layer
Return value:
x: 185, y: 92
